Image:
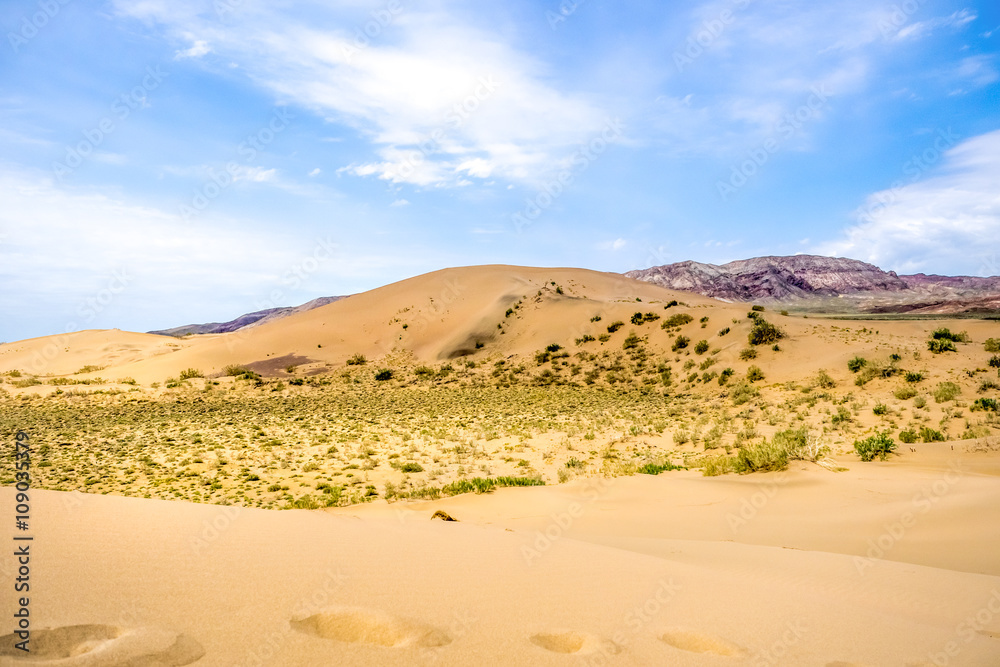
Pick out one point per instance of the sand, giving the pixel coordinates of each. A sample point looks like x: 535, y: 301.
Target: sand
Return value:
x: 805, y: 567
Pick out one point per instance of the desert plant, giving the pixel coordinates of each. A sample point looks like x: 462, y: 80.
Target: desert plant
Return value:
x: 945, y: 334
x: 913, y: 376
x: 743, y: 392
x: 985, y: 404
x: 992, y: 345
x: 631, y: 341
x: 930, y: 435
x: 856, y: 364
x: 701, y: 347
x: 880, y: 409
x: 748, y: 353
x: 723, y: 332
x: 755, y: 374
x: 995, y: 361
x: 357, y: 360
x: 908, y: 436
x: 824, y: 380
x: 904, y: 393
x: 880, y: 445
x: 615, y: 326
x: 764, y: 333
x: 189, y: 373
x: 678, y: 320
x: 680, y: 343
x: 939, y: 345
x: 383, y: 374
x: 759, y: 309
x: 946, y: 391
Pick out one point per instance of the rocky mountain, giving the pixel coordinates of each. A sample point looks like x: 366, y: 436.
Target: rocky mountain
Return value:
x: 246, y: 320
x: 857, y: 286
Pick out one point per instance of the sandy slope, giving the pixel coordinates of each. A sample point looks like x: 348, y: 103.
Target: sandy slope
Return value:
x: 644, y: 570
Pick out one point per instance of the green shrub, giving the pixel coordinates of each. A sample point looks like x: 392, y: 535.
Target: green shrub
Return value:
x: 723, y: 332
x: 680, y: 343
x: 553, y: 347
x: 909, y: 437
x: 235, y: 370
x: 189, y: 373
x: 919, y: 402
x: 880, y: 409
x: 995, y: 361
x: 985, y: 404
x: 759, y: 309
x: 945, y: 334
x: 937, y: 346
x: 615, y: 326
x: 930, y: 435
x: 725, y: 375
x: 586, y: 338
x: 913, y: 376
x: 632, y: 341
x: 748, y: 353
x: 357, y: 360
x: 880, y: 445
x: 657, y: 468
x: 576, y: 463
x: 383, y: 374
x: 298, y: 382
x: 774, y: 455
x: 992, y: 345
x: 595, y: 318
x: 856, y: 364
x: 604, y: 338
x: 987, y: 386
x: 824, y: 380
x: 641, y: 318
x: 411, y: 466
x: 946, y: 391
x: 755, y: 374
x: 764, y: 333
x: 424, y: 372
x: 701, y: 347
x: 904, y: 393
x: 678, y: 320
x: 743, y: 392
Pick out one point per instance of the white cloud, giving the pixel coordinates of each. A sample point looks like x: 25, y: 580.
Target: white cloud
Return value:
x: 197, y: 50
x: 490, y: 113
x: 400, y: 202
x: 617, y: 244
x: 315, y: 172
x: 948, y: 222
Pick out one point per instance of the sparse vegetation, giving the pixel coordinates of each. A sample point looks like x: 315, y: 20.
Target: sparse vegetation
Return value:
x: 880, y: 445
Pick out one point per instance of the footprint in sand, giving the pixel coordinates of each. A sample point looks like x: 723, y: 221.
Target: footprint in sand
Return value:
x: 571, y: 641
x: 698, y: 642
x: 104, y: 646
x: 368, y: 626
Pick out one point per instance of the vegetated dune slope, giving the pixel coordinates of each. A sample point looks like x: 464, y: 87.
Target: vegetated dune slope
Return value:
x: 464, y: 311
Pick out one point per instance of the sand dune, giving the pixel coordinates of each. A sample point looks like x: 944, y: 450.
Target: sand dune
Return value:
x: 643, y: 571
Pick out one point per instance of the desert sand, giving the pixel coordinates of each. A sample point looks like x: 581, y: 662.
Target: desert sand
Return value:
x: 177, y: 553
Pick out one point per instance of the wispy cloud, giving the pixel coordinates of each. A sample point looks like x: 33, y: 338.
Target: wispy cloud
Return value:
x: 434, y: 119
x: 949, y: 221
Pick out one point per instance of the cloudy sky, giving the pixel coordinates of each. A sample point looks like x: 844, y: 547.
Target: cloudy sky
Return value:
x: 173, y: 161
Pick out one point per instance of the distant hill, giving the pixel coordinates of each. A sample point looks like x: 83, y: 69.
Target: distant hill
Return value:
x: 802, y: 279
x: 249, y: 319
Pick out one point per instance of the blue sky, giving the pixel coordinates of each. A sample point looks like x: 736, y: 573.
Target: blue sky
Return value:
x: 174, y: 161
